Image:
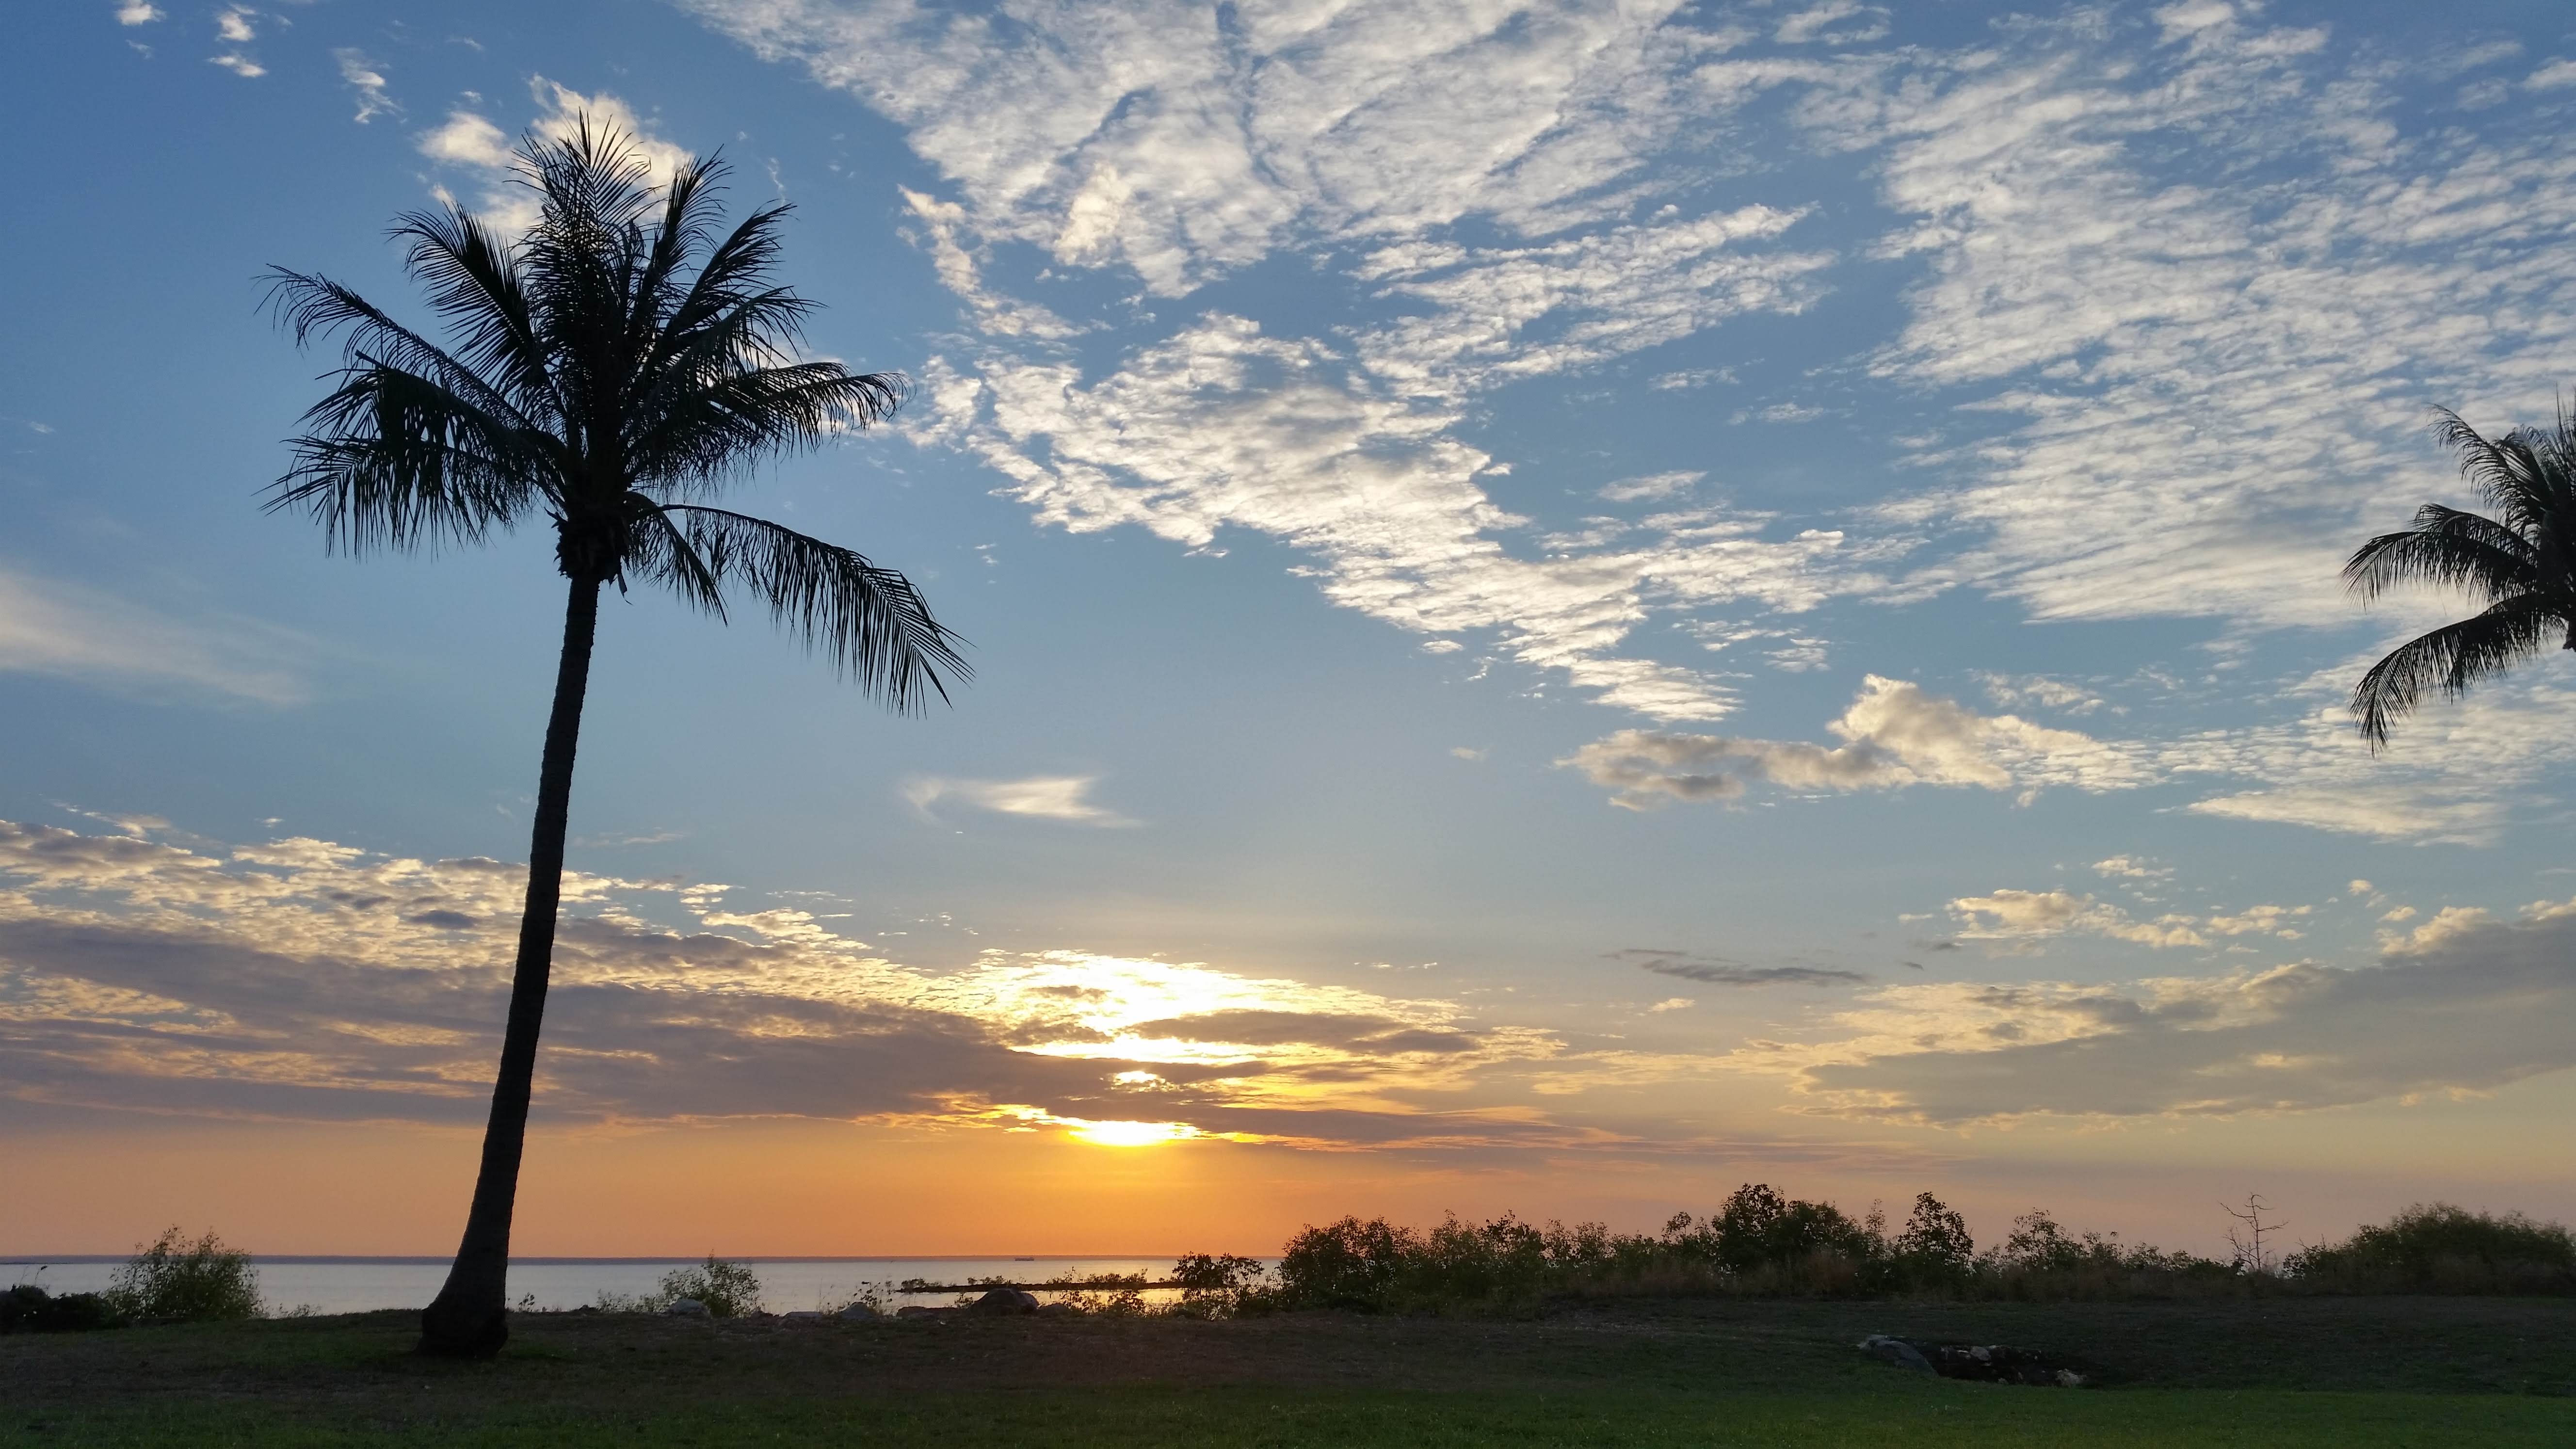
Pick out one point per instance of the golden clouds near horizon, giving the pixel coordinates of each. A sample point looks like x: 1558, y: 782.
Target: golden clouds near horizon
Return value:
x: 305, y: 979
x: 1132, y: 1134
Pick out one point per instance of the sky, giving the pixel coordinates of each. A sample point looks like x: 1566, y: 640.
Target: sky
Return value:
x: 1572, y: 605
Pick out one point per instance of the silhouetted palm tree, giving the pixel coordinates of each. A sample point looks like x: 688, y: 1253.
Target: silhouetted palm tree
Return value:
x: 610, y: 371
x: 2520, y: 564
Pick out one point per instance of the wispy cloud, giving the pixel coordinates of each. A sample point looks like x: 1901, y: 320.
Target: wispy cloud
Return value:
x: 2454, y: 779
x: 1043, y: 797
x: 365, y: 79
x: 2116, y: 322
x: 1715, y: 971
x: 48, y: 626
x: 1352, y: 451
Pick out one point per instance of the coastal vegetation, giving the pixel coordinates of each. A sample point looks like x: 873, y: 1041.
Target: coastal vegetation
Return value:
x: 172, y: 1279
x: 726, y: 1289
x: 1725, y: 1329
x: 1762, y: 1244
x: 609, y: 372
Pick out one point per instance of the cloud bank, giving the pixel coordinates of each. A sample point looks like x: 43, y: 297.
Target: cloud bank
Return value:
x: 2473, y: 1008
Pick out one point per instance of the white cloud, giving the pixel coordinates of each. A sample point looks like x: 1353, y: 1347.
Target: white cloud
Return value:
x: 1673, y: 1003
x: 1691, y: 377
x: 1223, y: 425
x: 2015, y: 915
x: 51, y: 627
x: 2455, y: 777
x: 2242, y: 379
x: 1835, y: 22
x: 1044, y: 797
x: 471, y: 141
x: 2121, y: 323
x: 1894, y: 735
x: 1650, y: 485
x: 2021, y: 917
x: 138, y: 12
x: 2553, y: 75
x: 232, y: 24
x: 2132, y: 868
x: 240, y: 65
x: 1134, y: 136
x: 467, y: 139
x: 363, y: 76
x: 2032, y: 689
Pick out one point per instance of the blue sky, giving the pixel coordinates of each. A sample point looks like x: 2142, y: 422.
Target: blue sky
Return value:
x: 1572, y: 604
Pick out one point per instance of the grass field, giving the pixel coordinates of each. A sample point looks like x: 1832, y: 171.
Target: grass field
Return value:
x: 2343, y: 1372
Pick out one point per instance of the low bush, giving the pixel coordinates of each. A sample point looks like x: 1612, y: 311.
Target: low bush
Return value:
x: 2442, y: 1248
x: 1115, y: 1295
x: 1218, y: 1285
x: 174, y: 1280
x: 27, y: 1308
x: 729, y: 1289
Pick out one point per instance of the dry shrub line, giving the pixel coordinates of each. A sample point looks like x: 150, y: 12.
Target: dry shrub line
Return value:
x: 1762, y: 1243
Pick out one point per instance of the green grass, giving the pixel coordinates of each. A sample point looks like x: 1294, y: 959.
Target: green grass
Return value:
x: 1272, y: 1418
x: 2345, y: 1373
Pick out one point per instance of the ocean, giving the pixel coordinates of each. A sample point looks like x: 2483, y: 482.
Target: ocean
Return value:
x: 356, y: 1285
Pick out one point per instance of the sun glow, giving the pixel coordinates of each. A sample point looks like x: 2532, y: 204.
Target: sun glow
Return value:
x: 1130, y: 1134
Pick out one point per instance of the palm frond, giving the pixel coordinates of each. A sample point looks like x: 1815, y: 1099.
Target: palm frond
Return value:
x: 685, y: 230
x: 396, y: 460
x: 309, y: 306
x: 734, y: 273
x: 2447, y: 548
x: 475, y: 285
x: 733, y: 421
x: 2508, y: 472
x: 617, y: 361
x: 660, y: 551
x: 871, y: 620
x: 2451, y: 659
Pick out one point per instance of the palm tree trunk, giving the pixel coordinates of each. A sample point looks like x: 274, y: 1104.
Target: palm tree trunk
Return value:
x: 469, y: 1317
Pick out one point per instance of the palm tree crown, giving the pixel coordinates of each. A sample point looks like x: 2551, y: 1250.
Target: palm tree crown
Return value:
x: 2520, y: 565
x: 614, y: 368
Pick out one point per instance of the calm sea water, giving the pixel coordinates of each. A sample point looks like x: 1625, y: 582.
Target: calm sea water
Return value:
x: 355, y: 1285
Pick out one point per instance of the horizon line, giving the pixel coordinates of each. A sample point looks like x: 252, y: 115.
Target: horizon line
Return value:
x: 419, y: 1259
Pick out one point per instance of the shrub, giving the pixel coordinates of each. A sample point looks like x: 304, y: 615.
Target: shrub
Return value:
x: 877, y: 1298
x: 27, y: 1308
x: 1934, y: 1249
x: 1218, y: 1285
x: 1114, y: 1295
x: 2442, y: 1248
x: 729, y: 1289
x: 176, y: 1281
x: 1348, y: 1264
x: 1763, y: 1242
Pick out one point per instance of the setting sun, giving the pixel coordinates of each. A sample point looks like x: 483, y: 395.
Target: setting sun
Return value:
x: 1132, y: 1134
